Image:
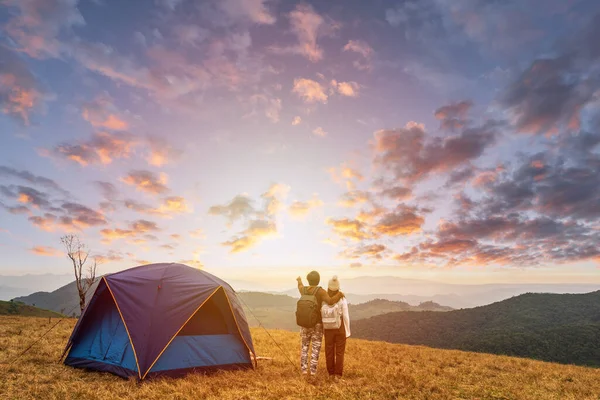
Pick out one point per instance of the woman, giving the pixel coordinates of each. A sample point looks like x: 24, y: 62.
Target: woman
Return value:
x: 336, y: 325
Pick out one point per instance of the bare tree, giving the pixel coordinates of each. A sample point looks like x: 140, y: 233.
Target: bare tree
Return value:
x: 78, y: 254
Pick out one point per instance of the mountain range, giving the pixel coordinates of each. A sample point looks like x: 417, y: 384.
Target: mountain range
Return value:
x: 357, y: 290
x: 561, y: 328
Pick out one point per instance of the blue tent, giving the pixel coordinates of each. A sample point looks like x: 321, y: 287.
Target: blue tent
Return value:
x: 161, y: 319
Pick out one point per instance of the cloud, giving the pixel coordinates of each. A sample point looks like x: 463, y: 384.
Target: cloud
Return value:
x: 296, y: 121
x: 301, y: 209
x: 307, y: 26
x: 345, y: 174
x: 72, y: 217
x: 20, y: 92
x: 310, y: 91
x: 356, y: 265
x: 365, y: 50
x: 271, y: 106
x: 16, y: 210
x: 109, y: 191
x: 175, y: 205
x: 110, y: 256
x: 190, y: 34
x: 33, y: 179
x: 402, y: 221
x: 170, y: 206
x: 101, y: 113
x: 355, y: 198
x: 541, y: 209
x: 349, y: 89
x: 102, y: 148
x: 45, y: 251
x: 255, y: 11
x: 146, y: 181
x: 550, y: 95
x: 349, y: 228
x: 410, y: 156
x: 161, y: 152
x: 257, y: 231
x: 544, y: 100
x: 169, y: 4
x: 360, y: 47
x: 272, y: 198
x: 455, y: 110
x: 318, y: 131
x: 27, y: 195
x: 137, y: 229
x: 81, y: 216
x: 240, y: 207
x: 172, y: 77
x: 371, y: 251
x: 453, y: 116
x: 397, y: 193
x: 110, y: 194
x: 260, y: 223
x: 198, y: 234
x: 36, y: 25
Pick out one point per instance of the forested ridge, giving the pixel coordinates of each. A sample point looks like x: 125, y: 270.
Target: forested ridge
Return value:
x: 562, y: 328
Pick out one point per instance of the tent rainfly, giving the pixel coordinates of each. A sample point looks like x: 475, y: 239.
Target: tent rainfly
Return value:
x: 161, y: 320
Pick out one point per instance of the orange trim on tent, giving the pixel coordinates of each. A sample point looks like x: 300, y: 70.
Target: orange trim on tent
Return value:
x: 182, y: 326
x: 239, y: 330
x: 126, y: 329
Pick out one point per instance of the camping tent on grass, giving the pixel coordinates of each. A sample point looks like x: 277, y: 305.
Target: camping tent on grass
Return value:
x: 161, y: 319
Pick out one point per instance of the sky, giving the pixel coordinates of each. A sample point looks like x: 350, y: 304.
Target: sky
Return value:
x: 259, y: 139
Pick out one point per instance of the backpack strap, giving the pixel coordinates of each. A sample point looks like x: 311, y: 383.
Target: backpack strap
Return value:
x: 313, y: 293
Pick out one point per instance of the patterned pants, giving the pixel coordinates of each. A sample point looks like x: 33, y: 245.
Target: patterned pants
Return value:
x: 314, y: 337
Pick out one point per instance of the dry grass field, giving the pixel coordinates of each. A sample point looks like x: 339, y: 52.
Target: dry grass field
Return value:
x: 374, y: 370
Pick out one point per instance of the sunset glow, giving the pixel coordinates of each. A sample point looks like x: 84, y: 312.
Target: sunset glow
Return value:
x: 447, y: 140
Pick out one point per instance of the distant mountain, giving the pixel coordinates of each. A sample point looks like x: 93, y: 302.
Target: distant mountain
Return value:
x: 15, y: 308
x: 14, y: 286
x: 415, y: 291
x: 273, y: 311
x: 562, y: 328
x: 382, y: 306
x: 64, y: 300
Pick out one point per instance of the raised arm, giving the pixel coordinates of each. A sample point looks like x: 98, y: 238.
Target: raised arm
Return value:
x: 300, y: 285
x: 331, y: 300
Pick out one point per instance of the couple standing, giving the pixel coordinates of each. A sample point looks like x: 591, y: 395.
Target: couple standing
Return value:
x: 322, y: 311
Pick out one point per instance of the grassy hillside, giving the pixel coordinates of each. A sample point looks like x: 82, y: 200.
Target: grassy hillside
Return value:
x: 552, y: 327
x: 16, y: 308
x: 374, y: 370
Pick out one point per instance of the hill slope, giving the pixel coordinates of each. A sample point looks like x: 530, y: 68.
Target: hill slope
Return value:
x: 16, y: 308
x: 553, y: 327
x: 64, y: 300
x: 373, y: 370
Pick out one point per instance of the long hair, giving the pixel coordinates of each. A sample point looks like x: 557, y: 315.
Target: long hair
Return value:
x: 332, y: 293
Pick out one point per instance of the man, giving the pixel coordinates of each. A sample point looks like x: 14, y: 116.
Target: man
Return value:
x: 313, y: 337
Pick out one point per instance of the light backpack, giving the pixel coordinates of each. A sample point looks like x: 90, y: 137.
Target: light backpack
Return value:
x: 331, y: 315
x: 307, y: 308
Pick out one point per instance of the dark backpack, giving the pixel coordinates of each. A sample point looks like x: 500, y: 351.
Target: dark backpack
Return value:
x: 307, y: 309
